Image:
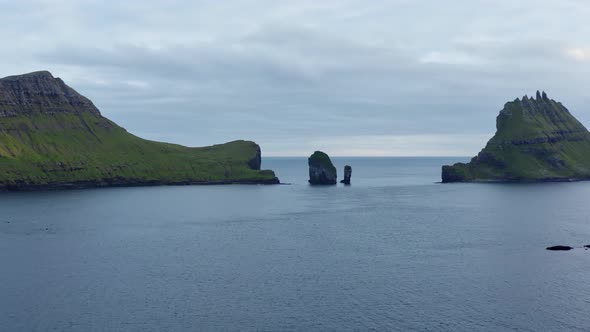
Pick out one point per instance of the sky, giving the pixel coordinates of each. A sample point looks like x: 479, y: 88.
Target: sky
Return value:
x: 348, y: 77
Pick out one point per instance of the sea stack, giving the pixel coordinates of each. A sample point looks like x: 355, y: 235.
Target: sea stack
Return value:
x: 537, y: 139
x: 321, y: 169
x: 347, y: 174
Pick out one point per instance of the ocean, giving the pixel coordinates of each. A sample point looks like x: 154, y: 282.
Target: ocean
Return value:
x: 394, y: 251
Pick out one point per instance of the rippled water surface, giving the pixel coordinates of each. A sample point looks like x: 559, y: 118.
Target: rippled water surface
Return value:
x: 393, y: 251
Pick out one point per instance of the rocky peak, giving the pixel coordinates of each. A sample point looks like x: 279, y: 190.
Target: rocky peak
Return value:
x: 529, y: 112
x: 40, y: 92
x: 540, y: 97
x: 36, y: 75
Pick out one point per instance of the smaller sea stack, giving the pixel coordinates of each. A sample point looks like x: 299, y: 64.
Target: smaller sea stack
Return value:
x: 347, y: 174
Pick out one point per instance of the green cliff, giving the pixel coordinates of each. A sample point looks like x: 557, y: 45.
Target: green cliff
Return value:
x: 52, y: 137
x: 537, y: 139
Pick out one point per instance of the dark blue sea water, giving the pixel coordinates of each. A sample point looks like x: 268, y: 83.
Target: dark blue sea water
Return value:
x: 393, y: 251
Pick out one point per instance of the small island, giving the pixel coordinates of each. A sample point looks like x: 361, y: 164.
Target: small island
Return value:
x: 537, y: 139
x: 51, y: 137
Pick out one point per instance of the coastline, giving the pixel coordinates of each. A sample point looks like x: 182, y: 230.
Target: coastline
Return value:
x: 111, y: 183
x: 520, y: 181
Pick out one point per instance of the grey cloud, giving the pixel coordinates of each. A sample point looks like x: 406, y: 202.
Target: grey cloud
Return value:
x: 293, y: 74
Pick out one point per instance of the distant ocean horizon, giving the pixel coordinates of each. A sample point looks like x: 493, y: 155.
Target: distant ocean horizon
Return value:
x: 374, y: 170
x: 394, y: 251
x: 341, y: 156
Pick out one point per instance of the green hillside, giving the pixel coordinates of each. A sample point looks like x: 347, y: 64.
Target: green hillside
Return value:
x: 52, y: 137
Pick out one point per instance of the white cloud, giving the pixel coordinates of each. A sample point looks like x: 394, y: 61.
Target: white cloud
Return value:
x: 578, y: 53
x: 452, y: 58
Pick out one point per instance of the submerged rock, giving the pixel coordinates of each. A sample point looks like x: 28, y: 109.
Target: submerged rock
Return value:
x: 560, y: 248
x: 537, y: 139
x: 321, y: 169
x: 347, y: 174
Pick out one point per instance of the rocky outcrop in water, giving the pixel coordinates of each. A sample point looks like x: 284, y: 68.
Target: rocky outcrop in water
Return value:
x: 321, y: 169
x: 347, y: 174
x: 560, y: 248
x: 537, y: 139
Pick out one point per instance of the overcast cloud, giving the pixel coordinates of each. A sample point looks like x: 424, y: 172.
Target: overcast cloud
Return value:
x: 398, y: 77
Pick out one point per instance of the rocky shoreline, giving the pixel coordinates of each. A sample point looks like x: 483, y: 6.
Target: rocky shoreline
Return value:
x: 29, y: 187
x: 523, y: 181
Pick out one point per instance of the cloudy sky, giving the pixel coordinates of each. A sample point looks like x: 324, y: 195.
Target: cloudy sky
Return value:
x: 398, y: 77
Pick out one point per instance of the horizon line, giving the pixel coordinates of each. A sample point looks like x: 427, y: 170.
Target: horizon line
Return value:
x: 343, y: 156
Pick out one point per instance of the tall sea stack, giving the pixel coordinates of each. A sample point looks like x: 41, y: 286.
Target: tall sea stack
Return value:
x: 321, y: 169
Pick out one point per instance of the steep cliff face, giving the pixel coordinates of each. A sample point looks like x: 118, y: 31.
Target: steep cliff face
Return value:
x: 53, y: 137
x: 40, y: 93
x: 537, y: 139
x: 256, y: 162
